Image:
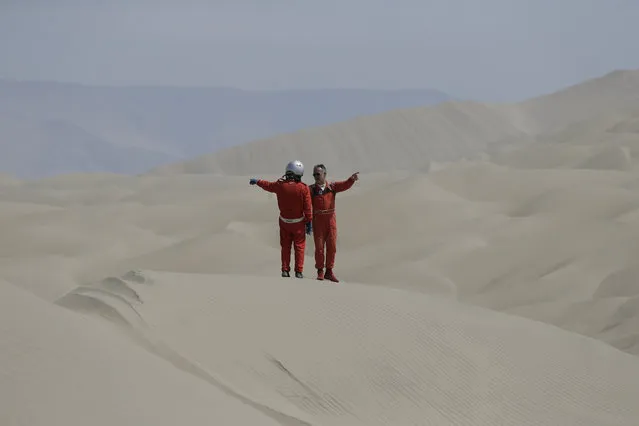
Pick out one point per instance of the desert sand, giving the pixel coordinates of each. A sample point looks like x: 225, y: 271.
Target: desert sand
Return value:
x: 494, y: 282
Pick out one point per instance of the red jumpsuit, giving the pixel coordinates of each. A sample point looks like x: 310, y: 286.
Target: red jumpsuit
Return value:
x: 324, y: 221
x: 294, y: 202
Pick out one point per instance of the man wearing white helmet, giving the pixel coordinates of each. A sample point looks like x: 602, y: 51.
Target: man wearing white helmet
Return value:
x: 296, y: 213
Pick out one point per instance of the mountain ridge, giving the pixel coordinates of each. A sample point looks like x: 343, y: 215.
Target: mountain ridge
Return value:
x: 170, y: 123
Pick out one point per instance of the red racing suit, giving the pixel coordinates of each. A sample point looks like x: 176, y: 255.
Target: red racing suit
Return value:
x: 324, y: 221
x: 294, y: 202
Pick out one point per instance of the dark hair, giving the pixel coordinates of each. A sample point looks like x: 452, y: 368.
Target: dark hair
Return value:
x: 292, y: 176
x: 320, y: 166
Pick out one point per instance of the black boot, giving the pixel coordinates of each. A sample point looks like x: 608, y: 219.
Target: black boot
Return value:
x: 285, y: 274
x: 299, y: 275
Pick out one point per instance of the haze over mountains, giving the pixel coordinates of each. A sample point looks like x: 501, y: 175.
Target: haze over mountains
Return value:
x: 48, y: 128
x: 66, y: 128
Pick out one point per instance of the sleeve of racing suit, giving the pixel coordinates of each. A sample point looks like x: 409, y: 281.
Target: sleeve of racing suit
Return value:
x: 343, y: 185
x: 267, y: 186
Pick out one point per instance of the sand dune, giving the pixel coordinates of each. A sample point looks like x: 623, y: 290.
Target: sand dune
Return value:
x: 61, y: 369
x: 499, y: 289
x: 410, y: 138
x: 402, y: 139
x: 357, y: 355
x: 616, y: 90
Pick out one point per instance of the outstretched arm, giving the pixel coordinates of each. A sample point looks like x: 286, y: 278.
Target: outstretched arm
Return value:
x: 344, y: 185
x: 264, y: 184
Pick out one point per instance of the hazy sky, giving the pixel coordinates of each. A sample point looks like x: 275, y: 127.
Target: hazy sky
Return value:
x: 493, y: 50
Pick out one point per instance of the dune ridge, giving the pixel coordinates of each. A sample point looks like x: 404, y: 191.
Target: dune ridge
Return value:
x: 412, y: 138
x: 501, y: 288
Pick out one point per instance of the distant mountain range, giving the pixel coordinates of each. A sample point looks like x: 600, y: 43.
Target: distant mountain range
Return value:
x: 49, y: 128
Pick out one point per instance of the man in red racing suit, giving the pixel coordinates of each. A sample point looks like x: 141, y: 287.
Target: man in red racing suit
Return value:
x: 294, y: 202
x: 324, y: 220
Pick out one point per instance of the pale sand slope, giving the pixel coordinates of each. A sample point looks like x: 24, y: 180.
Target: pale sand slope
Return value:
x: 356, y: 355
x: 61, y: 369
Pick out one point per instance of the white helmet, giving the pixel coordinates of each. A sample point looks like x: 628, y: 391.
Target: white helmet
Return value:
x: 296, y: 167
